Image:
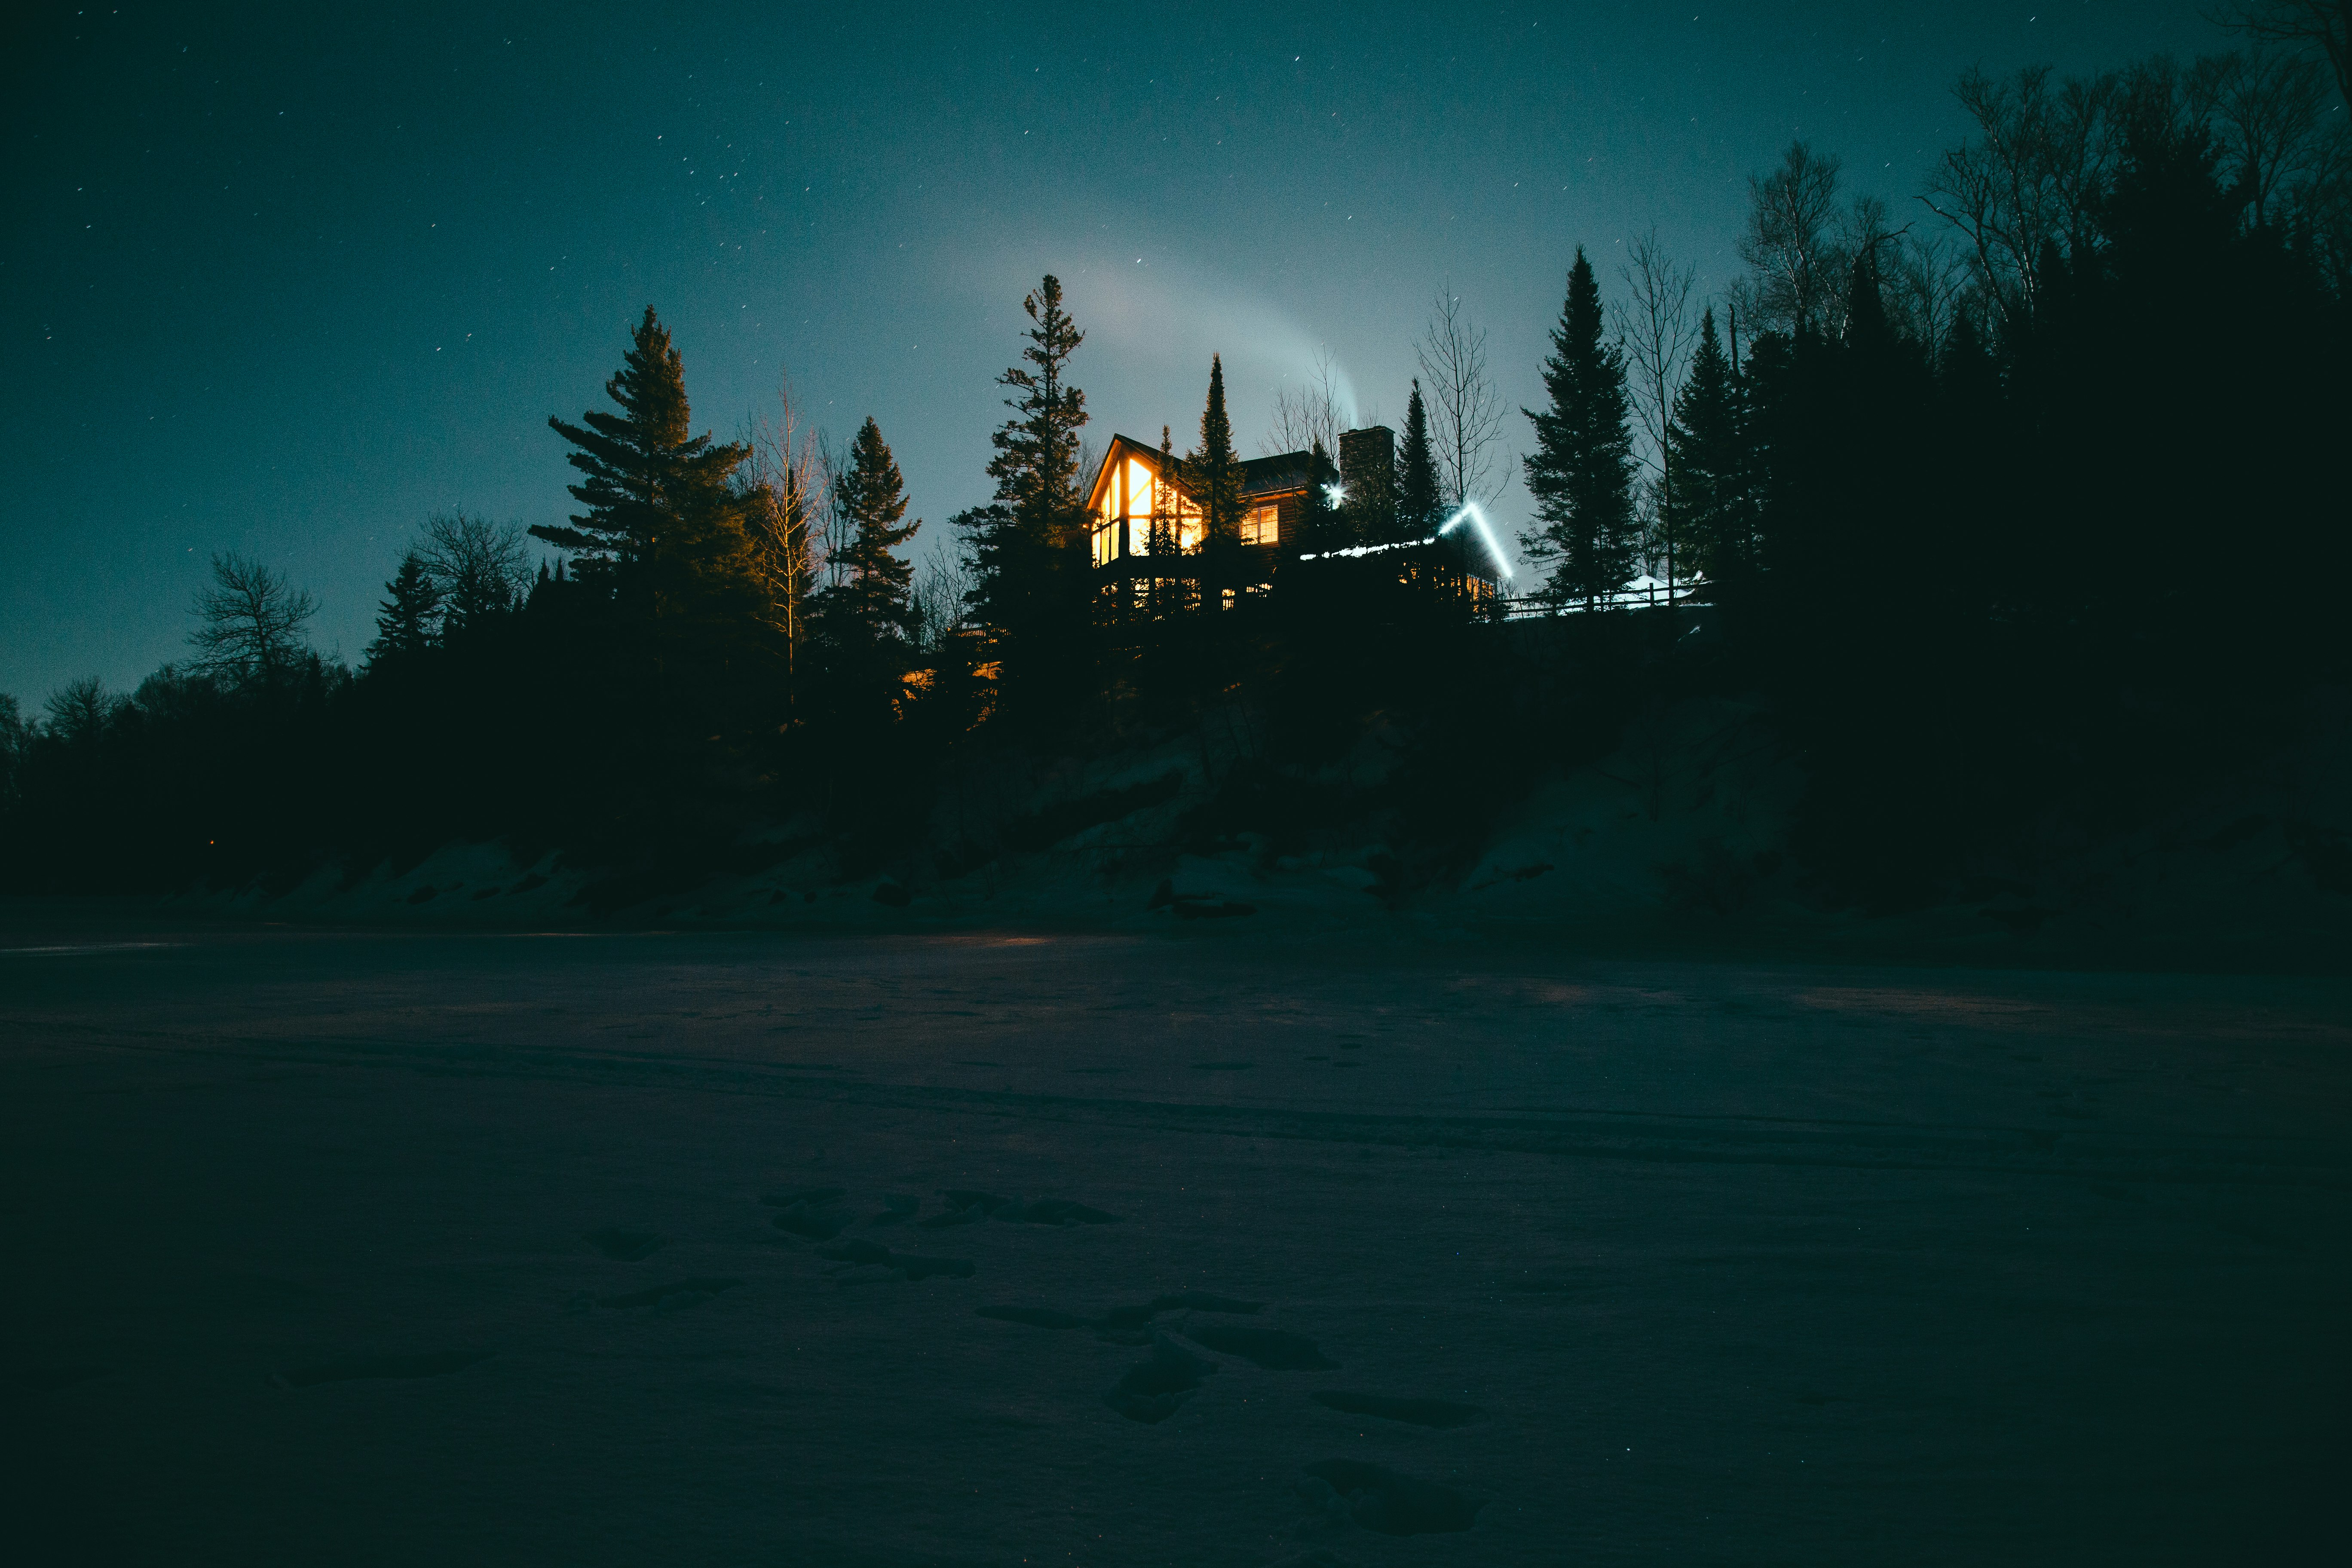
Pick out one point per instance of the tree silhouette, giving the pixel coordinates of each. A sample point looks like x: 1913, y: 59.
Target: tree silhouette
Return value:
x: 250, y: 622
x: 872, y: 606
x: 1706, y: 465
x: 477, y: 567
x: 1419, y: 502
x: 660, y: 525
x: 1029, y: 581
x: 1212, y: 472
x: 407, y: 622
x: 1581, y: 471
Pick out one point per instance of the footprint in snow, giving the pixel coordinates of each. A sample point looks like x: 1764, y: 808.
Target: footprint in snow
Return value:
x: 1437, y: 1413
x: 624, y: 1246
x: 672, y: 1297
x: 1123, y: 1325
x: 1378, y: 1499
x: 1153, y: 1389
x: 862, y: 1256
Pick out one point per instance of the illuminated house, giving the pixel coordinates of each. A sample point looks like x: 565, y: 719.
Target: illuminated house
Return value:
x: 1131, y: 494
x: 1131, y: 489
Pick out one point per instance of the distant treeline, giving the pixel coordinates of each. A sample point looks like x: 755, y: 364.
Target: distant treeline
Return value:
x: 2015, y: 506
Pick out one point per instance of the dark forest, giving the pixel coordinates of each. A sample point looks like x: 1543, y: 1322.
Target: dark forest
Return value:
x: 2018, y: 513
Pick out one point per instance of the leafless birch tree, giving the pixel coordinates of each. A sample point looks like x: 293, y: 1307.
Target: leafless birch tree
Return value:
x: 2030, y: 177
x: 1305, y: 415
x: 1653, y: 319
x: 1792, y: 240
x: 788, y: 516
x: 1466, y: 413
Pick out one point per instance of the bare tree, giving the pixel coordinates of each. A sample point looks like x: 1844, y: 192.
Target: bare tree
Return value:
x: 1465, y: 420
x: 1304, y: 416
x: 78, y: 711
x: 478, y: 567
x: 788, y: 518
x: 1928, y: 288
x: 15, y: 740
x: 942, y: 585
x: 1792, y: 240
x: 1652, y: 319
x: 2031, y: 178
x: 832, y: 531
x: 2322, y: 28
x: 2267, y: 106
x: 250, y: 622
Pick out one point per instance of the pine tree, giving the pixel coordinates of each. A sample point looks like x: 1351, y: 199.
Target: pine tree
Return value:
x: 1867, y: 330
x: 661, y: 523
x: 1705, y: 458
x: 405, y: 623
x: 872, y: 606
x: 1420, y: 501
x: 1029, y: 577
x: 1320, y: 527
x: 1163, y: 538
x: 1213, y: 472
x: 1036, y: 462
x: 1582, y: 472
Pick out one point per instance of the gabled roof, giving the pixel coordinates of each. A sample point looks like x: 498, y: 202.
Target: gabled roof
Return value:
x: 1283, y: 471
x: 1277, y: 475
x: 1121, y: 448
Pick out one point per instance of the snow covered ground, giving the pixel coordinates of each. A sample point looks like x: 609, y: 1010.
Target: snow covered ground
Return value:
x: 1216, y: 1242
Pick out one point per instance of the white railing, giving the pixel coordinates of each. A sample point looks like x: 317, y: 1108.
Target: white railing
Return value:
x: 1646, y: 594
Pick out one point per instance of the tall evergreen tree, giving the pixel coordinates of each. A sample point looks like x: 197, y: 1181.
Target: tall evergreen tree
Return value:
x: 405, y: 622
x: 1036, y: 462
x: 1420, y: 499
x: 1025, y: 550
x: 660, y: 523
x: 1213, y: 471
x: 1581, y: 471
x: 872, y: 606
x: 1320, y: 527
x: 1162, y: 537
x: 1706, y: 462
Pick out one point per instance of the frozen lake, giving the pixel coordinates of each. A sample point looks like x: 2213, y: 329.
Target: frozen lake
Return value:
x: 1193, y: 1248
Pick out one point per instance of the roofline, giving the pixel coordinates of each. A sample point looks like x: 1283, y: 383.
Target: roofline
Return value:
x: 1122, y: 447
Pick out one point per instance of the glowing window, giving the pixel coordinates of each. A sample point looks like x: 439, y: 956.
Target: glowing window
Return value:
x: 1139, y: 490
x: 1188, y: 523
x: 1261, y: 525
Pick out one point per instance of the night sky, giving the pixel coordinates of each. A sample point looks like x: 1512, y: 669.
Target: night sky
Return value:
x: 286, y: 281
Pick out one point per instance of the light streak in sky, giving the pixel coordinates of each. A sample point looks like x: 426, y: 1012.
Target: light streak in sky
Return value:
x: 1476, y: 517
x: 1471, y: 513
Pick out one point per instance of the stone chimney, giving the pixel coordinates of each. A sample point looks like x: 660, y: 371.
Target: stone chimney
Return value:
x: 1367, y: 475
x: 1368, y: 457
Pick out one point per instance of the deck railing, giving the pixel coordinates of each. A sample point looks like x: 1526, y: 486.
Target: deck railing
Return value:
x: 1645, y: 596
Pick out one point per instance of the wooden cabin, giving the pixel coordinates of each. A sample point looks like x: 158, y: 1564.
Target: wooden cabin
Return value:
x: 1131, y: 491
